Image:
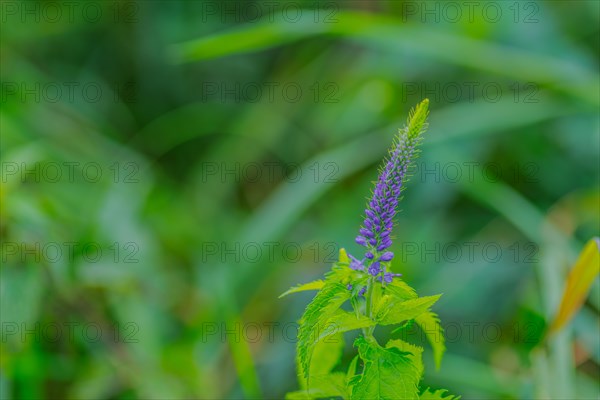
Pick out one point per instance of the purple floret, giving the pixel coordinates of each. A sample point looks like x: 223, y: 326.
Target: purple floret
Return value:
x: 387, y: 277
x: 355, y: 264
x: 375, y: 268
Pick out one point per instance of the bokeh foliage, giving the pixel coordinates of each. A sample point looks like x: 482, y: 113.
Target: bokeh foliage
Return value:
x: 177, y: 83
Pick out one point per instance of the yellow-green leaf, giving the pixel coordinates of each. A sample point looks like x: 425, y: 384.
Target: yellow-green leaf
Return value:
x: 315, y: 285
x: 579, y: 281
x: 343, y: 258
x: 399, y: 312
x: 416, y: 353
x: 440, y: 394
x: 430, y: 324
x: 324, y: 305
x: 326, y: 355
x: 400, y: 290
x: 388, y: 373
x: 323, y: 386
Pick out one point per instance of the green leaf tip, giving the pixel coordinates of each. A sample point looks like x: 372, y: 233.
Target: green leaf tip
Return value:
x: 343, y: 258
x: 417, y: 117
x: 431, y: 326
x: 315, y: 285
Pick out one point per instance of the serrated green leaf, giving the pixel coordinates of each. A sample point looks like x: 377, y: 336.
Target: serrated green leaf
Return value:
x: 394, y: 313
x: 383, y: 305
x: 388, y: 373
x: 325, y: 332
x: 405, y: 326
x: 393, y: 294
x: 430, y: 324
x: 428, y: 394
x: 343, y: 321
x: 415, y: 353
x: 327, y: 301
x: 341, y: 274
x: 314, y: 285
x: 400, y: 290
x: 326, y: 356
x: 351, y: 370
x: 299, y: 395
x: 330, y: 385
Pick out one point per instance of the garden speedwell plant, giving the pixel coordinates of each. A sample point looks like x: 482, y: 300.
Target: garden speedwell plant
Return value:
x: 377, y: 296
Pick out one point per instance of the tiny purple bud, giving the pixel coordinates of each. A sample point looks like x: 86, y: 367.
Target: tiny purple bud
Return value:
x: 361, y: 240
x: 383, y: 246
x: 362, y: 291
x: 387, y: 256
x: 366, y: 232
x: 388, y: 277
x: 369, y: 255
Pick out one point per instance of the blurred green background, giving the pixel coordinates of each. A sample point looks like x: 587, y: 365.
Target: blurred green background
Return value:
x: 170, y: 168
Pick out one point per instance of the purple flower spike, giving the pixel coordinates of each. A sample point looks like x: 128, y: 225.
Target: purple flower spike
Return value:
x: 349, y: 287
x: 381, y: 208
x: 362, y: 291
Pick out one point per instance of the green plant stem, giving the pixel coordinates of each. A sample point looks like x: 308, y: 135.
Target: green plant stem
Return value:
x: 369, y: 307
